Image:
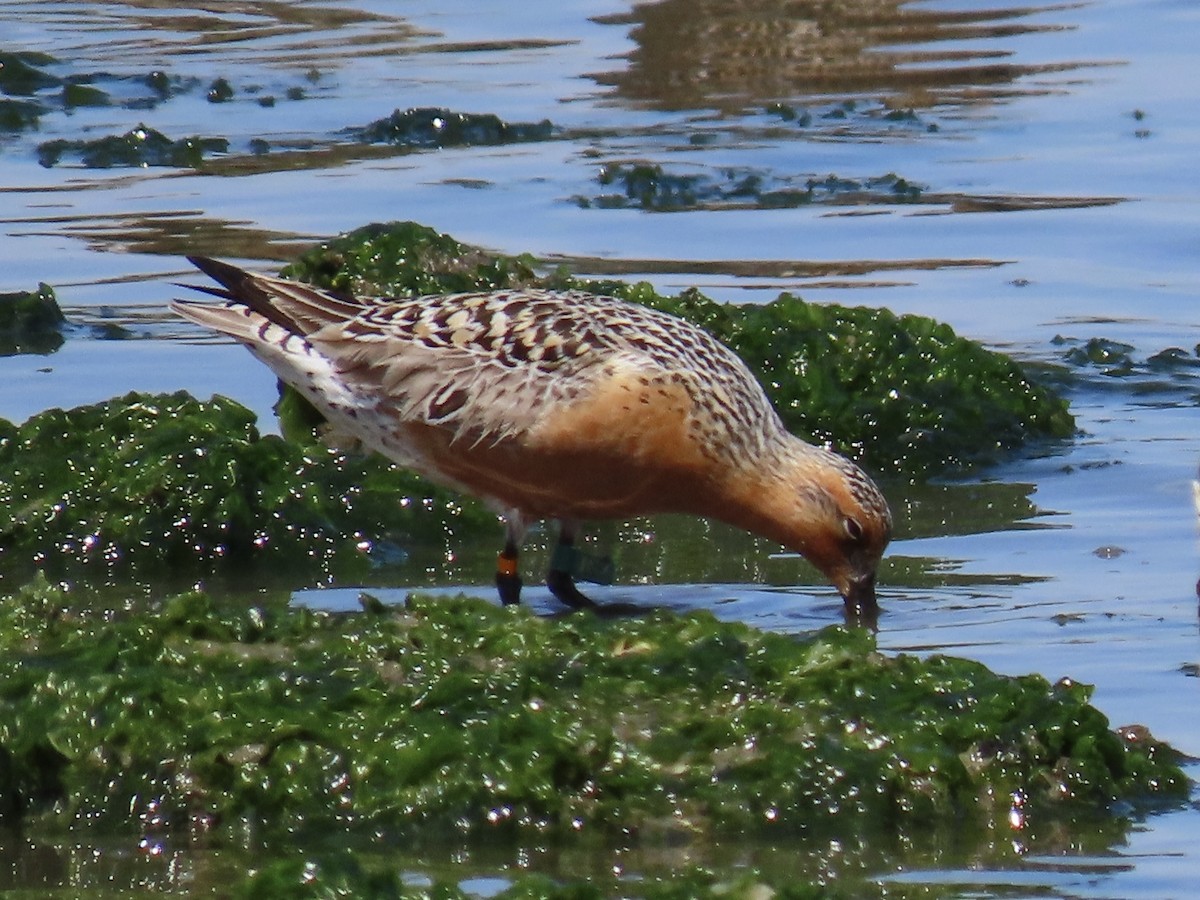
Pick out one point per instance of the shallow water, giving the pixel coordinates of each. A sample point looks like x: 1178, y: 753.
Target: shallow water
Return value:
x: 1053, y: 147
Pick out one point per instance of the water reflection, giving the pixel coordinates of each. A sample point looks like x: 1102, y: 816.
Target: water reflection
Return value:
x: 275, y: 33
x: 722, y: 54
x: 56, y: 864
x: 709, y: 562
x: 177, y: 233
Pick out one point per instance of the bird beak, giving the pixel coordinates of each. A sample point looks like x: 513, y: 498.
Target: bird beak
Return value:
x: 859, y: 594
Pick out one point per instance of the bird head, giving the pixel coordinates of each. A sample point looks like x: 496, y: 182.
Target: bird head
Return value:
x: 829, y: 510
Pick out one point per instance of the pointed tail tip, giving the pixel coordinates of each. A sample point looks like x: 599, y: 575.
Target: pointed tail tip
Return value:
x: 203, y: 263
x: 218, y: 271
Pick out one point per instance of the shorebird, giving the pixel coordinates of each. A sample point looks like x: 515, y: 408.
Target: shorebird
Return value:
x: 559, y: 405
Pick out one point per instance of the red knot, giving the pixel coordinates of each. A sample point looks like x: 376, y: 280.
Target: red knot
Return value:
x: 559, y: 405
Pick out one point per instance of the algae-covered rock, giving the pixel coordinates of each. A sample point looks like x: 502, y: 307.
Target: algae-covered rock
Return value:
x: 432, y: 127
x: 458, y: 719
x: 404, y: 259
x: 33, y: 322
x: 170, y: 486
x: 220, y: 91
x: 649, y: 186
x: 138, y: 147
x: 900, y: 393
x: 1142, y: 371
x: 23, y: 73
x: 17, y: 115
x: 30, y: 322
x: 76, y: 94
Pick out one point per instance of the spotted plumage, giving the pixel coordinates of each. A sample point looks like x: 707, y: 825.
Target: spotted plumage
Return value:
x: 561, y: 405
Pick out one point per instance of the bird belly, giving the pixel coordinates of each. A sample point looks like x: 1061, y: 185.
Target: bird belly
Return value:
x: 577, y: 483
x: 625, y: 447
x: 615, y: 453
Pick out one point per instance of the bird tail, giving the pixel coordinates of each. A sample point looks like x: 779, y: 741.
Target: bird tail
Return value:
x: 298, y: 308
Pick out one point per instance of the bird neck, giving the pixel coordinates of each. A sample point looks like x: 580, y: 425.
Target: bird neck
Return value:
x: 779, y: 497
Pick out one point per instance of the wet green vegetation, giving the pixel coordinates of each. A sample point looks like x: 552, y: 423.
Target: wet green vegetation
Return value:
x: 900, y: 393
x: 454, y: 721
x: 1105, y: 362
x: 640, y: 184
x: 76, y: 95
x: 649, y: 186
x: 22, y: 73
x: 219, y: 91
x: 35, y: 77
x: 53, y: 87
x: 142, y: 146
x: 30, y: 322
x: 138, y: 147
x: 32, y: 77
x: 17, y: 115
x: 167, y: 487
x: 33, y: 322
x: 431, y: 127
x: 405, y: 259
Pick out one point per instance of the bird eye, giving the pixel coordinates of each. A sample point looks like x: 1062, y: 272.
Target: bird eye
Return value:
x: 853, y: 529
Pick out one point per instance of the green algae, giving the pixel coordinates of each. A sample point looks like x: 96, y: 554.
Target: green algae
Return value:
x: 458, y: 719
x: 220, y: 91
x: 142, y: 146
x: 1169, y: 374
x: 903, y: 394
x: 26, y: 74
x: 18, y: 115
x: 433, y: 127
x: 23, y: 73
x: 138, y: 147
x: 405, y: 259
x: 1118, y: 359
x: 33, y: 322
x: 167, y: 486
x: 76, y: 94
x: 30, y: 322
x: 655, y: 188
x: 162, y: 84
x: 332, y: 875
x: 651, y: 187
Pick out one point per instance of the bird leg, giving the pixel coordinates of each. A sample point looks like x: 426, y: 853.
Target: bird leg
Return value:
x: 562, y: 564
x: 508, y: 579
